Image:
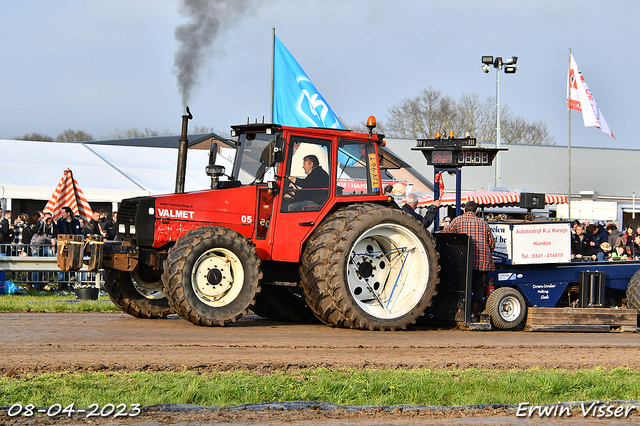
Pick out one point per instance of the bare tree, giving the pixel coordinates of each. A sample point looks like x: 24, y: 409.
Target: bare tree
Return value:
x: 134, y: 132
x: 518, y: 131
x: 70, y: 135
x: 34, y: 136
x: 431, y: 111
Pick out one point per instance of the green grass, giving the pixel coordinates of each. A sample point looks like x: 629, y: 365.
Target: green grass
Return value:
x: 345, y: 387
x: 49, y: 301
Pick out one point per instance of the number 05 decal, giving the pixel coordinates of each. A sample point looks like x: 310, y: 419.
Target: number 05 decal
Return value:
x: 247, y: 219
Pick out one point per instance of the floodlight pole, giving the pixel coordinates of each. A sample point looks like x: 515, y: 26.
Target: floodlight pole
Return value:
x: 498, y: 69
x: 498, y: 64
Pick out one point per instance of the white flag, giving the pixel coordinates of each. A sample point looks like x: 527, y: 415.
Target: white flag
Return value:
x: 580, y: 98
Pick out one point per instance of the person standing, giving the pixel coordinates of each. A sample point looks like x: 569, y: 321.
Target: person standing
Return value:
x: 614, y: 234
x: 482, y: 246
x: 68, y: 224
x: 598, y: 235
x: 410, y: 208
x: 18, y: 227
x: 107, y: 226
x: 93, y: 226
x: 580, y: 244
x: 7, y: 232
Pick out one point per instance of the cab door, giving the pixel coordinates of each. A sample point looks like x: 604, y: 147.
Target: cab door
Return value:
x: 300, y: 206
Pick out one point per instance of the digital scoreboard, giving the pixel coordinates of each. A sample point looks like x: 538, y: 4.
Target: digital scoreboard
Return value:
x: 450, y: 152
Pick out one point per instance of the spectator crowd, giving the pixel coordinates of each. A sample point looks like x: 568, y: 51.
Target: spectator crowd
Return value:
x: 596, y: 241
x: 37, y: 234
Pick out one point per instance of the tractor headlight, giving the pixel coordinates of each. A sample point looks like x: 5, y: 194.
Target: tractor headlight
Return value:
x: 122, y: 228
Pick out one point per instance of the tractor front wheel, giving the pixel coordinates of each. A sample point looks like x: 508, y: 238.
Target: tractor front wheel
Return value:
x: 212, y: 276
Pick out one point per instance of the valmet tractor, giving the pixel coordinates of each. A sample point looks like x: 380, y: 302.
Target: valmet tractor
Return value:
x: 281, y: 235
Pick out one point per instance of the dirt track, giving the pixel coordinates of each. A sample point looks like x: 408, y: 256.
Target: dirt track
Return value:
x: 35, y: 342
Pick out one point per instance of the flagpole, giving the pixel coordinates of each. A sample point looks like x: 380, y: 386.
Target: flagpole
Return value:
x: 569, y: 112
x: 273, y: 62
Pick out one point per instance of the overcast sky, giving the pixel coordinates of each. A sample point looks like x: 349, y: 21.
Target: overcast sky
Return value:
x: 103, y: 65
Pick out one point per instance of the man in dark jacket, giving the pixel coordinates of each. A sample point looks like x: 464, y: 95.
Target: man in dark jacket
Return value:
x: 598, y: 236
x: 107, y: 225
x: 580, y: 244
x: 410, y: 208
x: 313, y: 189
x: 93, y: 226
x: 68, y: 224
x: 5, y: 228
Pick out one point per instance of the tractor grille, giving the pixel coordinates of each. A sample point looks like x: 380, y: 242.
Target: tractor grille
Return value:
x: 127, y: 211
x: 136, y: 220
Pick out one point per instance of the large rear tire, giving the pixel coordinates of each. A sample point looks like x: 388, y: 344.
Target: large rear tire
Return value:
x: 369, y: 267
x: 211, y: 276
x: 507, y: 308
x: 280, y: 303
x: 135, y: 296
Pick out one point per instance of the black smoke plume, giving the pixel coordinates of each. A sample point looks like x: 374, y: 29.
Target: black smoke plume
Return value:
x: 206, y: 19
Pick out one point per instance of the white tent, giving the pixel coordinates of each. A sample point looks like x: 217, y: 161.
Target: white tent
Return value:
x: 105, y: 173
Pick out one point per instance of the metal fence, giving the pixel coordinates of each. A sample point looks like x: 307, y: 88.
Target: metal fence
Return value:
x: 34, y: 266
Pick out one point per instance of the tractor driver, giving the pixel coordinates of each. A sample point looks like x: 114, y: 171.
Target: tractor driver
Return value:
x: 316, y: 178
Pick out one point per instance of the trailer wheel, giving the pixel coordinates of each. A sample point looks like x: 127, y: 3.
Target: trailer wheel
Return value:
x: 369, y: 267
x: 507, y: 308
x: 633, y: 293
x: 281, y: 303
x: 139, y: 298
x: 212, y: 276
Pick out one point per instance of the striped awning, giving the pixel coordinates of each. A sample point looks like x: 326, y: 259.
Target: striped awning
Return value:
x: 68, y: 194
x: 488, y: 198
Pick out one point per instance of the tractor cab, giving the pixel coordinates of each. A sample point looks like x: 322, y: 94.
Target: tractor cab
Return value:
x: 303, y: 174
x: 307, y: 165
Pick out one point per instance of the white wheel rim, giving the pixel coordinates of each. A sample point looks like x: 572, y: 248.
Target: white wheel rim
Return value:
x: 217, y: 277
x: 388, y: 271
x: 509, y: 308
x: 149, y: 290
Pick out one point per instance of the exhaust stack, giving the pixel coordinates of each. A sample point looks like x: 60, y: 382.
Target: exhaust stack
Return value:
x: 182, y: 153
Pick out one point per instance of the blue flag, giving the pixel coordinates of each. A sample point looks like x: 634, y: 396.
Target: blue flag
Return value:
x: 296, y: 101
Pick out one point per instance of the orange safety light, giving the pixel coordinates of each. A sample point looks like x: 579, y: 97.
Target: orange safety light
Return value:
x: 371, y: 123
x: 438, y: 135
x: 451, y: 135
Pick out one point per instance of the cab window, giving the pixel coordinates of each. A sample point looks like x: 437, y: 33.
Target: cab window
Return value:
x: 307, y: 180
x: 357, y: 169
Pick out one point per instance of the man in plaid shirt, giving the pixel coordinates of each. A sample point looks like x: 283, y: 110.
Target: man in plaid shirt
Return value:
x: 482, y: 245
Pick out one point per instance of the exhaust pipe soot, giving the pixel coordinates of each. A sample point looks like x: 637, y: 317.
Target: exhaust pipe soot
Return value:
x: 183, y: 145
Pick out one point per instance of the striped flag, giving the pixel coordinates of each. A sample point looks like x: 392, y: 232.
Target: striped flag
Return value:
x: 68, y: 194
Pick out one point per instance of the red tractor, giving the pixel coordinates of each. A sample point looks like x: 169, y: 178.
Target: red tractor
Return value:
x: 281, y: 235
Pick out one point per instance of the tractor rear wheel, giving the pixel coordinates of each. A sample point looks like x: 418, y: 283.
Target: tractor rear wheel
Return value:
x: 507, y: 308
x: 211, y: 276
x: 633, y: 293
x: 369, y: 267
x: 137, y: 294
x: 280, y: 303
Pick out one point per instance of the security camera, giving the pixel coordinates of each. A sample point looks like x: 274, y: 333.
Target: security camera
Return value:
x: 485, y: 68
